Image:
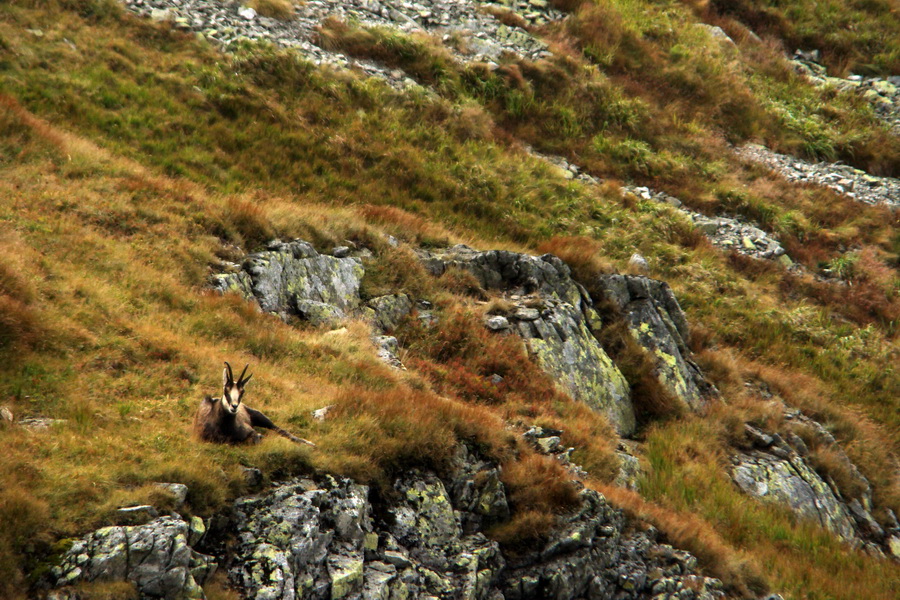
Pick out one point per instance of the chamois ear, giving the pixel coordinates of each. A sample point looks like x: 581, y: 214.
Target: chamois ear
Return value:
x: 241, y: 381
x: 227, y: 376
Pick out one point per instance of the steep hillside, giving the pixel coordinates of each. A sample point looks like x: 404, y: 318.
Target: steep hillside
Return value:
x: 574, y: 300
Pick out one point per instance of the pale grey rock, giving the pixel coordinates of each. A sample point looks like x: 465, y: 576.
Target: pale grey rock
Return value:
x: 293, y: 279
x: 497, y: 323
x: 179, y: 491
x: 790, y: 481
x: 253, y: 477
x: 136, y: 515
x: 717, y: 33
x: 387, y: 348
x: 390, y: 310
x: 629, y: 467
x: 156, y: 557
x: 320, y: 414
x: 525, y: 313
x: 638, y: 262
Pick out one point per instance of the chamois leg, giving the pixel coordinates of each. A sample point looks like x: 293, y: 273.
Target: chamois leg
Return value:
x: 257, y: 419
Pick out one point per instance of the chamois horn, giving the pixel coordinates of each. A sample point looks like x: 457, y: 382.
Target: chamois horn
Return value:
x: 241, y: 381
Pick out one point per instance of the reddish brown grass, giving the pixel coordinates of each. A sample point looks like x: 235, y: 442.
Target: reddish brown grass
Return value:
x: 694, y: 535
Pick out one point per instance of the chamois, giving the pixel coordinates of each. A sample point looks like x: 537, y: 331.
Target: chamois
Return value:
x: 227, y: 420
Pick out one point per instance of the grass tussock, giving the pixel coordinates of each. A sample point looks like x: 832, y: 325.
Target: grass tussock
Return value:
x: 275, y: 9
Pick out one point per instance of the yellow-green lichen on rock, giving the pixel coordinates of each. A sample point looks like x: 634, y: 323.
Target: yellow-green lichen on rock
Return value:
x: 791, y: 482
x: 565, y: 348
x: 656, y: 321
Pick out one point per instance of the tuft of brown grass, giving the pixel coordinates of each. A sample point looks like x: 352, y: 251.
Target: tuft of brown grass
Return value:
x: 526, y: 530
x: 461, y: 281
x: 698, y: 537
x: 274, y: 9
x: 584, y: 256
x: 107, y: 590
x: 245, y: 224
x: 652, y: 400
x: 406, y: 226
x: 539, y: 482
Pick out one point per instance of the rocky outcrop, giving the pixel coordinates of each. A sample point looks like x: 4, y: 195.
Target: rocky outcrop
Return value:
x: 789, y: 480
x: 292, y: 279
x: 324, y: 538
x: 158, y: 558
x: 655, y: 319
x: 777, y: 469
x: 390, y: 310
x: 555, y: 316
x: 843, y: 179
x: 328, y: 538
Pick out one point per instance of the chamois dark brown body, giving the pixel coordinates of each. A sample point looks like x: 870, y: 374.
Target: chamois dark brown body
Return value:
x: 214, y: 424
x: 227, y: 420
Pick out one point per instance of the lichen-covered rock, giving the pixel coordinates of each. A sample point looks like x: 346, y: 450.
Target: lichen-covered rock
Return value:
x: 156, y: 557
x: 387, y: 348
x: 477, y: 492
x: 790, y: 481
x: 593, y: 554
x: 302, y: 540
x: 325, y: 539
x: 555, y: 317
x: 390, y: 310
x: 776, y: 469
x: 293, y: 279
x: 656, y: 321
x: 565, y: 348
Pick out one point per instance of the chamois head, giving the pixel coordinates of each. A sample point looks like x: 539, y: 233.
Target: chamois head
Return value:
x: 233, y: 391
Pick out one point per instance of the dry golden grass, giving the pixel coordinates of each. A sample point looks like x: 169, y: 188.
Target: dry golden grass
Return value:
x: 692, y: 533
x: 275, y: 9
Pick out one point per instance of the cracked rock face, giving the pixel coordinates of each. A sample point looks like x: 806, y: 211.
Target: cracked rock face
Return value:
x: 564, y: 346
x: 157, y: 557
x: 656, y: 321
x: 776, y: 470
x: 325, y: 539
x: 293, y: 279
x: 555, y: 316
x: 790, y: 481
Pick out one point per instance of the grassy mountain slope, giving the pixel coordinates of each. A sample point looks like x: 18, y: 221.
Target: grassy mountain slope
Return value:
x: 134, y: 159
